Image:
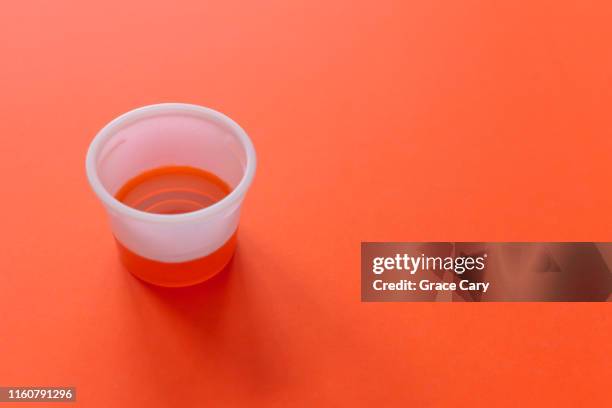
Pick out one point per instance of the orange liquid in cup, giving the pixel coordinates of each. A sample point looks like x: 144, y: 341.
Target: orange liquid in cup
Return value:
x: 175, y: 190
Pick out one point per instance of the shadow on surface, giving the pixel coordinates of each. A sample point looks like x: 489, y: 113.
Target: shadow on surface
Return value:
x: 225, y: 323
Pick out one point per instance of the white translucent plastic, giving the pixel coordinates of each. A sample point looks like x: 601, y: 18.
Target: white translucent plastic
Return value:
x: 171, y: 134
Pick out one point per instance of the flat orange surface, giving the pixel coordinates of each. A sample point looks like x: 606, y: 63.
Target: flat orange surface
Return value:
x: 385, y: 120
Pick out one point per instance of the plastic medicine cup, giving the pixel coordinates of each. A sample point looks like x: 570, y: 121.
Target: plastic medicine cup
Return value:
x: 172, y: 249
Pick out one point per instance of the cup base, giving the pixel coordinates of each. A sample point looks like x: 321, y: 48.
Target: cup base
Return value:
x: 179, y: 274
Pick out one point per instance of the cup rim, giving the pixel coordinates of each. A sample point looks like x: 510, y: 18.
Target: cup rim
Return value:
x: 109, y: 130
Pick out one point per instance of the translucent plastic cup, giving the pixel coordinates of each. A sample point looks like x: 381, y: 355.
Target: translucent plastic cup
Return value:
x: 172, y: 249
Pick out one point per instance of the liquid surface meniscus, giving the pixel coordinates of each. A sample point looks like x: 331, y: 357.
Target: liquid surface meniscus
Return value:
x: 173, y: 190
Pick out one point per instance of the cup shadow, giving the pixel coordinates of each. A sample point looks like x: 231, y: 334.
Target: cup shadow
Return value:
x: 199, y: 303
x: 223, y: 319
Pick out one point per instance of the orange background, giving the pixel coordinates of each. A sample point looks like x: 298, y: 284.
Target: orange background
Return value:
x: 385, y: 120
